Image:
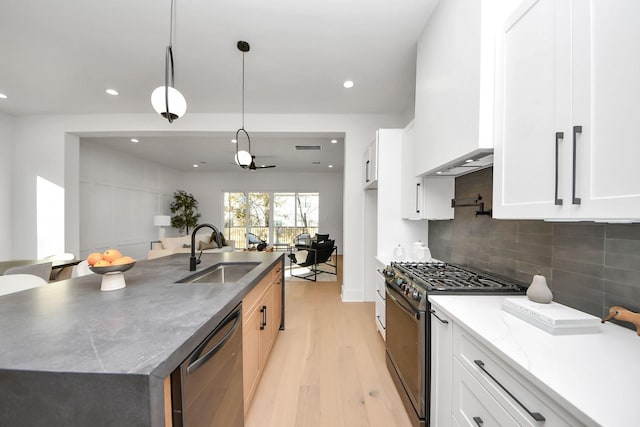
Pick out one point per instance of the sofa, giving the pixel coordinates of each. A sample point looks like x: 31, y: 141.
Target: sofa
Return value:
x: 182, y: 244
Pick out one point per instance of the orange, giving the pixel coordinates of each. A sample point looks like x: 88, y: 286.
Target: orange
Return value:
x: 123, y: 260
x: 102, y: 263
x: 111, y: 255
x: 94, y: 257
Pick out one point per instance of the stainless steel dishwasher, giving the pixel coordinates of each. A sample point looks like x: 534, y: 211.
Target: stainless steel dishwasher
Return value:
x: 206, y: 390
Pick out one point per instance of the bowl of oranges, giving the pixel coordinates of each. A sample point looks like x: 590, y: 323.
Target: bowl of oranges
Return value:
x: 111, y: 264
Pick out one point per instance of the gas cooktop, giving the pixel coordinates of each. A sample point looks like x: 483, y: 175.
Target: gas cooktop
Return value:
x: 440, y: 276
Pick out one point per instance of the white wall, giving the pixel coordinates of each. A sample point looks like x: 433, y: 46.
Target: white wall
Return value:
x: 207, y: 188
x: 40, y: 145
x: 119, y: 196
x: 6, y: 156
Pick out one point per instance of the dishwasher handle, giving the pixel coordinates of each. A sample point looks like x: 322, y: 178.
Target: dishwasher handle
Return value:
x: 235, y: 317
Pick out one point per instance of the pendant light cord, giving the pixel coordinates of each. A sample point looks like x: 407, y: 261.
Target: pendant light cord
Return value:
x: 168, y: 61
x: 242, y: 90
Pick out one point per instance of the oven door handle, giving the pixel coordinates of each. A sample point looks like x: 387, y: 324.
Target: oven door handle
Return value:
x: 403, y: 306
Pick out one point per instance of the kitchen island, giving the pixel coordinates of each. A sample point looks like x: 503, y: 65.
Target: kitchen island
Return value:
x: 74, y: 355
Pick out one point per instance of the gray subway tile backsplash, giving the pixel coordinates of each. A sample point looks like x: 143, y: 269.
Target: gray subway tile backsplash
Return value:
x: 589, y: 266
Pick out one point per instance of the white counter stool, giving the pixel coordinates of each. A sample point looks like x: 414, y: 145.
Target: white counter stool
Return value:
x: 19, y: 282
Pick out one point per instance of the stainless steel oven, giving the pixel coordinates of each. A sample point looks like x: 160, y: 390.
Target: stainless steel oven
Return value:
x: 406, y: 354
x: 409, y: 323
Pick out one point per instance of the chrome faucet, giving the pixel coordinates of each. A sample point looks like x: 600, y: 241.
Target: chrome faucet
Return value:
x: 192, y: 261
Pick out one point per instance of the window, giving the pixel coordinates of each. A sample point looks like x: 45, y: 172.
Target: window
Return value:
x: 273, y: 217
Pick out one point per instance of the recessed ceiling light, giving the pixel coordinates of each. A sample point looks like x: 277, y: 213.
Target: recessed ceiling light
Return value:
x: 234, y: 141
x: 195, y: 166
x: 112, y: 92
x: 468, y: 160
x: 348, y: 84
x: 3, y: 96
x: 330, y: 166
x: 439, y: 173
x: 334, y: 141
x: 134, y: 140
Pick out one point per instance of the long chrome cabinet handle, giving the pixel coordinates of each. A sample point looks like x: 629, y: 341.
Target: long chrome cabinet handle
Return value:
x: 576, y: 130
x: 383, y: 327
x: 417, y: 194
x: 380, y: 293
x: 559, y: 136
x: 432, y: 311
x: 535, y: 415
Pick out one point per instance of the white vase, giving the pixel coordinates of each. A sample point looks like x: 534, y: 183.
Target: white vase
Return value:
x: 538, y: 290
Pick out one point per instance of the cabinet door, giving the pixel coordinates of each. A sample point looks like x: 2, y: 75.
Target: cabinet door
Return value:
x: 267, y: 320
x: 607, y: 64
x: 411, y: 185
x: 441, y: 374
x: 251, y: 367
x: 532, y: 105
x: 275, y: 316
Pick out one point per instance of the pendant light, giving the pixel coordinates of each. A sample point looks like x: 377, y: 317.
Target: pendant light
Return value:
x: 167, y: 100
x: 243, y: 158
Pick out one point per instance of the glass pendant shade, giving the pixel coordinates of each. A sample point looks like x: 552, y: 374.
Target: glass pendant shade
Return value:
x: 243, y: 158
x: 177, y: 102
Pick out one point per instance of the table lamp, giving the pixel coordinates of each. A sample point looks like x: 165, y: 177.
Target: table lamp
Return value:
x: 161, y: 221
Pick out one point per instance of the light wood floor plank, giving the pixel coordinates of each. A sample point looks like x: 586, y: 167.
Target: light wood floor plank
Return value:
x: 328, y: 367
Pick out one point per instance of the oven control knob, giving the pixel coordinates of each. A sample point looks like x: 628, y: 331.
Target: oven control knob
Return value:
x: 416, y: 294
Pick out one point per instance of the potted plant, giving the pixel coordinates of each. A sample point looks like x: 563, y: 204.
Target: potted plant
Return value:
x: 184, y: 209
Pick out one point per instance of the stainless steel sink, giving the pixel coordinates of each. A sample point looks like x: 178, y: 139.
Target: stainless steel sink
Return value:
x: 223, y: 272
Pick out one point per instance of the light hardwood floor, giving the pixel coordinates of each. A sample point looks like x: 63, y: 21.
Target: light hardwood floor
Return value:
x: 327, y: 368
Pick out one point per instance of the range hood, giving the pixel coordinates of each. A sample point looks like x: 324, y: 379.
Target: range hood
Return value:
x: 471, y: 162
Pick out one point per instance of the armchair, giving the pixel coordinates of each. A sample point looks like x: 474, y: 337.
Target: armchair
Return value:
x: 319, y: 253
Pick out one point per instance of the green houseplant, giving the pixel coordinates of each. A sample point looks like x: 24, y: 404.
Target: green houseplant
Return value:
x: 185, y: 211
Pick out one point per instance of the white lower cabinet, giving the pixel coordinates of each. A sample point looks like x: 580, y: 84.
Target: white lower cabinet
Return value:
x: 441, y: 374
x: 381, y: 323
x: 482, y: 380
x: 471, y: 385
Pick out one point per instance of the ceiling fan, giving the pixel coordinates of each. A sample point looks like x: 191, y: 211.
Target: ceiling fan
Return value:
x: 252, y: 166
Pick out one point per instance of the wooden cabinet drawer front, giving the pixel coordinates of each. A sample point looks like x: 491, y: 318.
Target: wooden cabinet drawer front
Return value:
x: 472, y: 354
x: 472, y: 405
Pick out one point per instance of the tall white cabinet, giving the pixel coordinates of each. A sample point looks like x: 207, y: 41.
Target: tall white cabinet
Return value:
x: 384, y: 225
x: 566, y: 107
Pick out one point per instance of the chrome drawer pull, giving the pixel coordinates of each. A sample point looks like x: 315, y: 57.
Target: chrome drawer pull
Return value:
x: 535, y: 415
x: 432, y: 311
x: 478, y: 421
x: 380, y: 293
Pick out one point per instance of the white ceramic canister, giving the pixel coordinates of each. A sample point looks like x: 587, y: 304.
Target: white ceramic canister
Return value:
x: 398, y: 252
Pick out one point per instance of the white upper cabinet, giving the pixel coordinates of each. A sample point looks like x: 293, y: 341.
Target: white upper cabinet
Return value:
x: 455, y: 81
x: 412, y: 194
x: 370, y: 164
x: 567, y: 97
x: 426, y: 197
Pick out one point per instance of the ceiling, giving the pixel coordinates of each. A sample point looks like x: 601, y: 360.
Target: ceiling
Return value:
x: 59, y: 57
x: 214, y: 152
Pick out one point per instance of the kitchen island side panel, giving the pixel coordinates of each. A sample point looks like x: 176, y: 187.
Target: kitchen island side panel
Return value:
x: 69, y: 399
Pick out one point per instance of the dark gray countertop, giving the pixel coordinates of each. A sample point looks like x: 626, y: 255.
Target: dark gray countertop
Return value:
x: 147, y: 328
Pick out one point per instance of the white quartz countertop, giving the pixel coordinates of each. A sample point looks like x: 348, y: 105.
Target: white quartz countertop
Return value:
x: 594, y: 376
